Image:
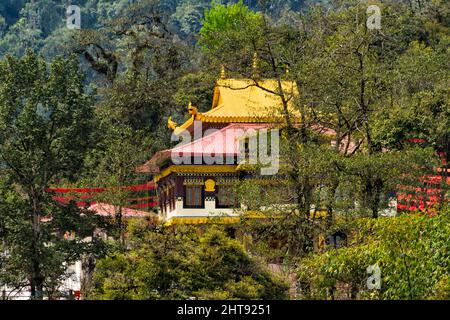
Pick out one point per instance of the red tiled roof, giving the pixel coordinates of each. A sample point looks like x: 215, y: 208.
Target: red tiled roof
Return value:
x: 104, y: 209
x: 224, y: 141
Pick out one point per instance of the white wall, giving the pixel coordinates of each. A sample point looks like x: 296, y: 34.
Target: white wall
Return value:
x: 210, y: 210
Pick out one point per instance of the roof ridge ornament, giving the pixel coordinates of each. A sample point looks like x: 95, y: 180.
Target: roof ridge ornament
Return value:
x: 222, y: 72
x: 171, y: 124
x: 194, y: 111
x: 255, y: 69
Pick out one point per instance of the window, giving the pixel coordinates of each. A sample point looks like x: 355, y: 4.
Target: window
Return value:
x: 193, y: 197
x: 225, y: 197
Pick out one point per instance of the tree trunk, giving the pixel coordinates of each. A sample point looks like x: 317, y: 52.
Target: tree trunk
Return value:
x: 88, y: 266
x: 330, y: 203
x: 444, y: 174
x: 37, y: 279
x: 353, y: 291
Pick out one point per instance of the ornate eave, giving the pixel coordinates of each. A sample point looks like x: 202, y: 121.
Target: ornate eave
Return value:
x: 195, y: 169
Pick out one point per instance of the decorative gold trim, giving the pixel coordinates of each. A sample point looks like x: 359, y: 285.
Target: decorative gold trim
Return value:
x: 246, y: 167
x: 184, y: 126
x: 237, y: 119
x: 228, y: 181
x: 210, y: 185
x: 193, y: 182
x: 195, y: 169
x: 227, y: 119
x: 218, y: 219
x: 202, y: 220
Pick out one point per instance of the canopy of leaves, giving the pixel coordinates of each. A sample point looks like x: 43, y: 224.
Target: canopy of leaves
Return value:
x: 182, y: 264
x: 45, y: 132
x: 412, y: 251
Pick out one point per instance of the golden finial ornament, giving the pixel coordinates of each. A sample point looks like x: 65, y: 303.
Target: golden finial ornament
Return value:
x: 222, y: 72
x: 255, y: 64
x: 255, y: 61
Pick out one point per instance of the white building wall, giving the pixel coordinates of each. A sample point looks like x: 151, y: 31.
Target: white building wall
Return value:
x: 210, y: 210
x: 73, y: 282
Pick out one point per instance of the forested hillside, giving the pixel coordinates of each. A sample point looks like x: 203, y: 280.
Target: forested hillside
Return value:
x: 41, y: 24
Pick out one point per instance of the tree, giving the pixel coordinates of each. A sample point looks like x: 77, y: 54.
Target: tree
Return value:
x: 169, y: 264
x: 141, y: 59
x: 411, y: 251
x: 344, y: 72
x: 239, y: 38
x: 112, y: 163
x: 36, y: 21
x: 421, y: 110
x: 45, y: 132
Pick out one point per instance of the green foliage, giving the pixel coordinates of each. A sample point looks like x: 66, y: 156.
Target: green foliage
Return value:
x: 45, y: 119
x: 372, y: 179
x: 188, y: 16
x: 40, y: 25
x: 10, y: 9
x: 361, y: 84
x: 225, y: 25
x: 112, y: 163
x: 412, y: 252
x: 375, y: 89
x: 164, y: 264
x: 45, y: 132
x: 197, y: 87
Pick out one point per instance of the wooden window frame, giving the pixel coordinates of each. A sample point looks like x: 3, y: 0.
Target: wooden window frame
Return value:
x: 202, y: 197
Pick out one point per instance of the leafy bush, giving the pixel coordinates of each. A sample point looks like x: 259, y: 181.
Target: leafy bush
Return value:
x: 182, y: 264
x: 412, y: 251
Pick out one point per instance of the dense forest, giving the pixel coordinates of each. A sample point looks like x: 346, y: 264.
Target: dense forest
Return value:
x: 41, y: 24
x: 84, y: 107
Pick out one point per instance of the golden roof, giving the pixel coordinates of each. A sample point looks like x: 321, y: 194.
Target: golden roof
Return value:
x: 247, y: 100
